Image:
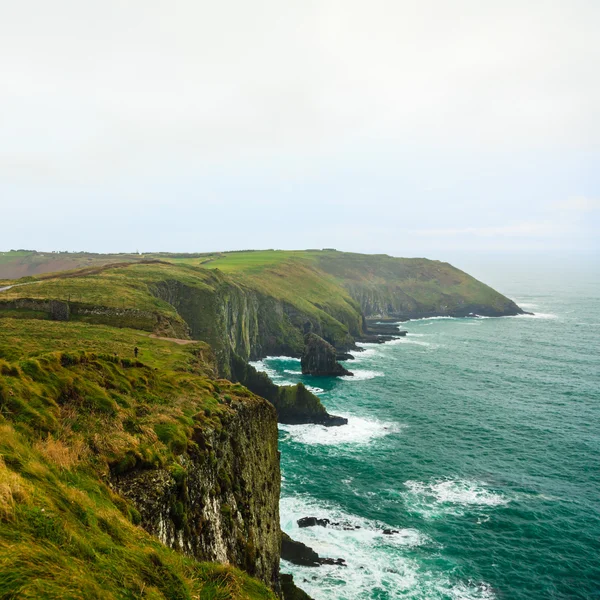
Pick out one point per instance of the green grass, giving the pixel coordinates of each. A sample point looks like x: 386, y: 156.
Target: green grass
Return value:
x: 24, y: 338
x: 67, y: 419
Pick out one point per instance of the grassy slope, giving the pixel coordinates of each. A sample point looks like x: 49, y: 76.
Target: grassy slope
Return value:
x: 317, y: 274
x: 66, y: 418
x: 129, y: 288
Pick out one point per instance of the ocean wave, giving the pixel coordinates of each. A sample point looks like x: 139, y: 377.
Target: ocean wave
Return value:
x: 362, y: 375
x: 376, y: 562
x: 282, y: 358
x: 409, y: 340
x: 449, y: 496
x: 358, y: 430
x: 315, y: 390
x: 433, y: 318
x: 260, y: 365
x: 292, y: 372
x: 369, y: 350
x: 535, y: 316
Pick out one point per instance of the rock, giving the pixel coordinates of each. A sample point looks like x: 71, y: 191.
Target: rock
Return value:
x: 59, y: 311
x: 312, y: 521
x: 297, y: 552
x: 333, y: 561
x: 289, y: 589
x: 319, y: 358
x: 295, y: 404
x: 390, y: 531
x: 341, y: 356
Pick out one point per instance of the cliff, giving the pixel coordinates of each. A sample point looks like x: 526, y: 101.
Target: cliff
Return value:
x: 220, y: 502
x: 102, y: 454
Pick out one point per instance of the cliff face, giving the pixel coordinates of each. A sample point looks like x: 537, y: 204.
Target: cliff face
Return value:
x: 239, y: 320
x: 222, y: 504
x: 391, y: 301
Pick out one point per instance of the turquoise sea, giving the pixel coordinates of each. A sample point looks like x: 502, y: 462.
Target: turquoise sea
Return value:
x: 478, y: 440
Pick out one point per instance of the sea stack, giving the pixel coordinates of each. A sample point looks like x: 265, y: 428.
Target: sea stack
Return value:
x: 320, y: 358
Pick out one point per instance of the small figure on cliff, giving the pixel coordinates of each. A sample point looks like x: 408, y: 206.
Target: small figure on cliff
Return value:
x: 135, y: 351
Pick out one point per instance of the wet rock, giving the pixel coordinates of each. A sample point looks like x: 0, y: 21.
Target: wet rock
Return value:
x: 341, y: 356
x: 390, y: 531
x: 298, y: 553
x: 289, y: 589
x: 312, y: 522
x: 319, y: 358
x: 333, y: 561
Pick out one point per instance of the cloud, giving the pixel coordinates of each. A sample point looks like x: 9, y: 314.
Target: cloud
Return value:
x: 524, y: 229
x: 579, y: 204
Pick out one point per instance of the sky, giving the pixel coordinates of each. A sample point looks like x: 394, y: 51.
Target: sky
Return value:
x: 434, y: 128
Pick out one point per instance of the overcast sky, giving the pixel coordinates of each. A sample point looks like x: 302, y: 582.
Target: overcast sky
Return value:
x: 431, y: 128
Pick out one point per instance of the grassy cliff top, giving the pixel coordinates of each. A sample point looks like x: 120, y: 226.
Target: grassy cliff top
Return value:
x: 325, y: 280
x: 75, y: 405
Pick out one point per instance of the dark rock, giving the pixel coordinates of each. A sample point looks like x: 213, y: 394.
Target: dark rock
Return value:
x: 297, y: 552
x: 312, y: 521
x: 289, y: 589
x: 344, y: 356
x: 295, y: 404
x: 390, y: 531
x: 319, y: 358
x: 59, y: 311
x: 333, y: 561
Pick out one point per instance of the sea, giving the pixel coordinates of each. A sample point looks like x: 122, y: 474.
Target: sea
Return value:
x: 475, y: 441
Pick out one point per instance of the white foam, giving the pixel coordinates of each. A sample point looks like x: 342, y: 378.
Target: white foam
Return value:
x: 315, y: 390
x: 284, y: 358
x: 260, y: 365
x: 362, y: 375
x: 358, y: 430
x: 536, y: 316
x: 376, y: 562
x: 368, y: 352
x: 449, y: 496
x: 410, y: 340
x: 433, y: 318
x: 292, y: 372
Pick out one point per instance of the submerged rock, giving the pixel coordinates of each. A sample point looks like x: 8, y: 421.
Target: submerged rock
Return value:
x: 320, y: 358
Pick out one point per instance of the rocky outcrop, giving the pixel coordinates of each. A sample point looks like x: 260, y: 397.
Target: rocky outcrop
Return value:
x: 302, y: 555
x: 320, y: 358
x: 221, y: 503
x: 297, y: 552
x: 289, y: 589
x: 295, y: 405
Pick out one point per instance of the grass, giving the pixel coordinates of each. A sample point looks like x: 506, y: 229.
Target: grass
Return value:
x: 24, y: 338
x: 70, y: 417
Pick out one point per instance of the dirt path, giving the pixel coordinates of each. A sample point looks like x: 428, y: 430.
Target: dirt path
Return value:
x: 8, y: 287
x: 168, y: 339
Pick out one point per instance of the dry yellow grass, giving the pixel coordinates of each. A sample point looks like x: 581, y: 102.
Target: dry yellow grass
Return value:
x: 62, y: 455
x: 12, y: 490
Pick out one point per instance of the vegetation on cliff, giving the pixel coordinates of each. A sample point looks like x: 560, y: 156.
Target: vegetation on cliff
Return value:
x: 73, y: 422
